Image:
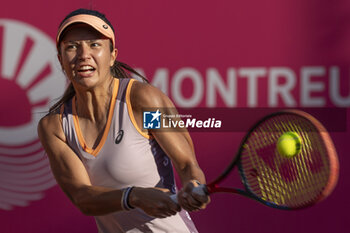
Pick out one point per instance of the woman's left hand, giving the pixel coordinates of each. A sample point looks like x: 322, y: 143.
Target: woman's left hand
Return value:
x: 190, y: 200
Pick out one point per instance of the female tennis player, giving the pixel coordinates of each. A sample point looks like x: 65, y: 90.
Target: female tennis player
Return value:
x: 100, y: 156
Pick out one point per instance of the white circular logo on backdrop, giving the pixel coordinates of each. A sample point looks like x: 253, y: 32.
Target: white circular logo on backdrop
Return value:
x: 30, y: 80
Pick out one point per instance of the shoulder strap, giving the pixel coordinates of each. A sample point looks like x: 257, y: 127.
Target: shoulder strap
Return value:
x: 123, y: 85
x: 64, y: 111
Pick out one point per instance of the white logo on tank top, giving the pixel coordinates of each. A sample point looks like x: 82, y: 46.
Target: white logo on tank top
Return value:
x: 165, y: 161
x: 30, y: 80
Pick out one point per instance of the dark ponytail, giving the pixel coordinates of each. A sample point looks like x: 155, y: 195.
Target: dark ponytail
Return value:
x: 122, y: 70
x: 68, y: 94
x: 118, y: 70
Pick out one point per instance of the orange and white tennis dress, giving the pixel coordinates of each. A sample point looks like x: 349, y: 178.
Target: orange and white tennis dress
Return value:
x: 125, y: 157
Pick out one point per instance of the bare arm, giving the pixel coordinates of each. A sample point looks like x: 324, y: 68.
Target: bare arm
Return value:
x: 177, y: 144
x: 72, y: 177
x: 71, y: 174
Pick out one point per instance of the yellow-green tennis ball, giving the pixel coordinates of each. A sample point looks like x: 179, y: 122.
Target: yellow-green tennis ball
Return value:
x: 289, y: 144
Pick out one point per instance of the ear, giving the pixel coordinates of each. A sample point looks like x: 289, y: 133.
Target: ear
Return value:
x: 114, y: 56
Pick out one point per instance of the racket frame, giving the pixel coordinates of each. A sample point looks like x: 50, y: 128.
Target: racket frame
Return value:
x: 213, y: 186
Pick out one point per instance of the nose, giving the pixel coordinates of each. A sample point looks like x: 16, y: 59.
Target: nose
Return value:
x: 84, y: 52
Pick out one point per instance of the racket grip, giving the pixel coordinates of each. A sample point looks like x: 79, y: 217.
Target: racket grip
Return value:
x: 199, y: 190
x: 174, y: 198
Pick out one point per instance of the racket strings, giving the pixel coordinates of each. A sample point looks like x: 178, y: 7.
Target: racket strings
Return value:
x: 304, y: 180
x: 275, y: 178
x: 268, y: 180
x: 301, y: 181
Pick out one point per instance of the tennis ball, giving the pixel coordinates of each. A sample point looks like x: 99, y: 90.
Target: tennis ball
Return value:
x: 289, y: 144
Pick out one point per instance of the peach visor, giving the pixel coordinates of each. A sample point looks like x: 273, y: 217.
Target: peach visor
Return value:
x: 94, y: 21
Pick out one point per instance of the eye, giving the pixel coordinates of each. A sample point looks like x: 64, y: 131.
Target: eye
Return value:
x: 71, y: 46
x: 95, y: 44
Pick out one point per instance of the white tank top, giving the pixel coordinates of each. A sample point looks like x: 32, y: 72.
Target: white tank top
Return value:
x: 125, y: 156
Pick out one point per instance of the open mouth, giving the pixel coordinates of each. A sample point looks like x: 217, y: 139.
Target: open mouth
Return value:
x: 86, y: 69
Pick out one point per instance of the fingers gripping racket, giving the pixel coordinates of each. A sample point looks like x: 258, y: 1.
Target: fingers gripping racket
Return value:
x: 277, y: 180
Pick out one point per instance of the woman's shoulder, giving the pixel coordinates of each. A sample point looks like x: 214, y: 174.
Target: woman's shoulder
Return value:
x: 147, y: 95
x: 51, y: 124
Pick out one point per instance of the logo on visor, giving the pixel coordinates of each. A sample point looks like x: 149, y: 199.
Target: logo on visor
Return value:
x: 151, y: 120
x: 30, y: 81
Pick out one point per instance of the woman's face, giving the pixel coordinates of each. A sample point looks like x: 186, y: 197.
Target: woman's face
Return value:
x: 85, y: 56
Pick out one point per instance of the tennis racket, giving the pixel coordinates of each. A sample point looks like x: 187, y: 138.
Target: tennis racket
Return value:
x: 278, y: 181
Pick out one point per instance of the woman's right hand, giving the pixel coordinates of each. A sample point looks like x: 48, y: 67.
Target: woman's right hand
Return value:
x: 155, y: 202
